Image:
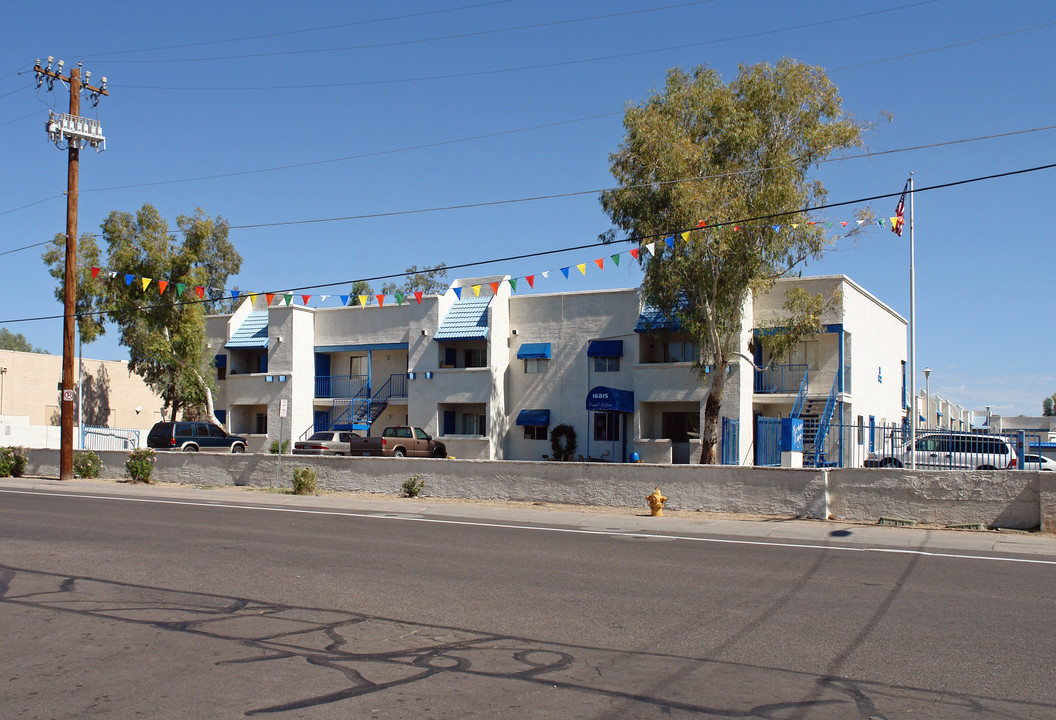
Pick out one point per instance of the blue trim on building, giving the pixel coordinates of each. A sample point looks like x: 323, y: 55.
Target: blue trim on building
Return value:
x: 466, y: 320
x: 606, y: 398
x: 534, y: 417
x: 605, y: 348
x: 252, y: 333
x: 360, y: 348
x: 534, y: 351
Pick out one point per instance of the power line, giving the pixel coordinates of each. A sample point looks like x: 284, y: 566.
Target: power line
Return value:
x: 478, y: 73
x: 418, y: 41
x: 542, y: 253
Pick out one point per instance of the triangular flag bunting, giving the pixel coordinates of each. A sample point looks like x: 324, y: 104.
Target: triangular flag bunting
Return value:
x: 651, y: 247
x: 112, y: 274
x: 458, y: 292
x: 894, y: 221
x: 546, y: 274
x: 494, y: 288
x: 700, y: 223
x: 777, y: 228
x: 795, y: 225
x: 234, y: 293
x: 162, y: 284
x: 531, y: 280
x: 418, y: 296
x: 95, y: 273
x: 513, y: 284
x: 736, y: 228
x: 129, y: 279
x: 880, y: 222
x: 859, y: 222
x: 288, y: 298
x: 381, y: 300
x: 180, y: 287
x: 322, y: 298
x: 305, y: 299
x: 145, y: 281
x: 200, y: 292
x: 616, y: 259
x: 399, y: 298
x: 476, y: 290
x: 363, y: 300
x: 634, y: 253
x: 685, y: 236
x: 582, y: 268
x: 344, y: 299
x: 253, y: 297
x: 843, y: 223
x: 812, y: 222
x: 670, y: 242
x: 600, y: 262
x: 828, y: 224
x: 270, y: 297
x: 564, y: 271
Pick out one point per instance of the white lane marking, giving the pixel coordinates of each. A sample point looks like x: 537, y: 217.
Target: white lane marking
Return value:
x: 504, y: 526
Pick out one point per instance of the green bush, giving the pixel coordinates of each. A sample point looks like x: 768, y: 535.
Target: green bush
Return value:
x: 274, y: 449
x: 87, y: 464
x: 304, y: 481
x: 140, y: 465
x: 13, y: 462
x: 412, y: 486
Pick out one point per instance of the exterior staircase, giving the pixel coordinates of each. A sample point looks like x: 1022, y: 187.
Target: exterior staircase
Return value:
x: 817, y: 418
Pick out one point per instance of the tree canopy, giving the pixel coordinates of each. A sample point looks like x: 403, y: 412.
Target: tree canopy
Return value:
x: 425, y: 281
x: 163, y: 331
x: 1048, y: 406
x: 18, y: 342
x: 738, y: 152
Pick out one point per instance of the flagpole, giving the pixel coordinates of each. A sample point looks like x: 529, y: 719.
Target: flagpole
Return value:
x: 912, y: 336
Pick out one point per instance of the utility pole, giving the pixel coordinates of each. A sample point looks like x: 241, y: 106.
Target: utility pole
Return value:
x: 76, y: 132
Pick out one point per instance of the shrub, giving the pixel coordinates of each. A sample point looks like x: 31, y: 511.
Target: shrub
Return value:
x: 274, y: 449
x: 304, y: 481
x: 412, y: 486
x: 13, y: 462
x: 140, y: 465
x: 563, y: 442
x: 87, y: 464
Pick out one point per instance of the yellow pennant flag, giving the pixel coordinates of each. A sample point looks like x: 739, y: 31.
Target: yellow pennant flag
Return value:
x: 362, y: 300
x: 145, y: 281
x: 476, y: 290
x: 685, y: 236
x: 582, y: 267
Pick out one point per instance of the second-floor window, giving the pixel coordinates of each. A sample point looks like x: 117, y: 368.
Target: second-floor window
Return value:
x: 606, y: 364
x: 536, y: 366
x: 476, y: 358
x: 681, y: 351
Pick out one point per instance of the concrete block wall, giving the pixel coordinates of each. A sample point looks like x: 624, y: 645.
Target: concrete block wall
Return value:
x: 1018, y: 499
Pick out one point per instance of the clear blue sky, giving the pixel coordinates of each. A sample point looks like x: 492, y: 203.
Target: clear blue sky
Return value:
x: 377, y: 108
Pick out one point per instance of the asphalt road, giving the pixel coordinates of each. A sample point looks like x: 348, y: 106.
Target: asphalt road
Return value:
x: 216, y: 605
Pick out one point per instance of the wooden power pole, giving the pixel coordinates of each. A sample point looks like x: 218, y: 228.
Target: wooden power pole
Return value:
x: 76, y: 132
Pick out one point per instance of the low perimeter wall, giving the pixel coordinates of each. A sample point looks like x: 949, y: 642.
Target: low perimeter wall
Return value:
x: 1016, y: 499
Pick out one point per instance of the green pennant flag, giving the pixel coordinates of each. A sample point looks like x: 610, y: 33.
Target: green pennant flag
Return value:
x: 180, y: 287
x: 513, y: 284
x: 399, y: 298
x: 616, y: 258
x: 289, y: 299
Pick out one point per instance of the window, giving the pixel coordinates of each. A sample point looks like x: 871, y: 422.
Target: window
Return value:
x: 420, y: 434
x: 536, y: 366
x: 606, y: 364
x: 472, y: 424
x: 262, y: 423
x: 605, y: 426
x: 476, y: 358
x: 680, y: 426
x: 215, y: 431
x: 536, y: 432
x: 681, y: 351
x: 805, y: 353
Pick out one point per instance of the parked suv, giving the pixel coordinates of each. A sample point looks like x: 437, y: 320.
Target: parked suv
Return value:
x: 956, y: 451
x: 194, y: 436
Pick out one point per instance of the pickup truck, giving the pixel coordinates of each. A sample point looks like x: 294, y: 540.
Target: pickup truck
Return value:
x: 398, y: 441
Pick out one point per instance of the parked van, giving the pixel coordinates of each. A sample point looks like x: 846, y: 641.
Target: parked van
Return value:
x: 955, y: 451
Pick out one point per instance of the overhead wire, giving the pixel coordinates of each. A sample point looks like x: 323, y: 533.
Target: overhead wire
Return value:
x: 540, y: 253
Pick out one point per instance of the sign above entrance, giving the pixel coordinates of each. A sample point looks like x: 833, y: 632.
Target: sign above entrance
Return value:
x: 606, y: 398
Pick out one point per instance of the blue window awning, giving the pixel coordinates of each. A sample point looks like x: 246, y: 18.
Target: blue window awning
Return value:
x: 605, y: 348
x: 466, y: 320
x: 534, y: 417
x: 252, y: 333
x: 534, y: 351
x: 653, y: 319
x: 606, y: 398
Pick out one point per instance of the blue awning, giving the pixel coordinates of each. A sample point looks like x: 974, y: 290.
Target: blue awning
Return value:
x: 606, y: 398
x: 653, y: 319
x: 466, y: 320
x: 534, y: 351
x: 534, y: 417
x: 605, y: 348
x: 252, y: 333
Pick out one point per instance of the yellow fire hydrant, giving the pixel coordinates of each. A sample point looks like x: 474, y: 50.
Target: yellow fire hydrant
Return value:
x: 656, y: 502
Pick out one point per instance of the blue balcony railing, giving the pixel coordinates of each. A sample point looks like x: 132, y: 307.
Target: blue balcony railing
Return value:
x: 340, y: 386
x: 780, y: 378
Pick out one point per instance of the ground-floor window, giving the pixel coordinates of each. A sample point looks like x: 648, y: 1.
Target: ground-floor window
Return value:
x: 606, y: 427
x: 536, y: 432
x: 463, y: 418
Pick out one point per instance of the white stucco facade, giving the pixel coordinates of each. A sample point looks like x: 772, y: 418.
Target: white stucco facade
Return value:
x: 478, y: 381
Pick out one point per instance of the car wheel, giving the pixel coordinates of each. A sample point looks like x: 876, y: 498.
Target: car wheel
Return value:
x: 238, y: 448
x: 890, y: 462
x: 398, y: 452
x: 190, y: 448
x: 440, y: 453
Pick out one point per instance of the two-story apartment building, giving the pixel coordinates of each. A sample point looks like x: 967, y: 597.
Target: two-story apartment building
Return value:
x: 491, y: 373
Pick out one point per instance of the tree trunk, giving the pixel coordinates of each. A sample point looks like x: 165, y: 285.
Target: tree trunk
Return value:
x: 711, y: 433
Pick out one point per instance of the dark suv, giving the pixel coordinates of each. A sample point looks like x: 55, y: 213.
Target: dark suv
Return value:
x: 193, y: 436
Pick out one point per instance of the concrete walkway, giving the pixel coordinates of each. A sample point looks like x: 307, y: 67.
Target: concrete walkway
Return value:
x: 776, y: 530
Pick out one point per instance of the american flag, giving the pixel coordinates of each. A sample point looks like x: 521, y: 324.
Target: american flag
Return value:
x: 900, y: 212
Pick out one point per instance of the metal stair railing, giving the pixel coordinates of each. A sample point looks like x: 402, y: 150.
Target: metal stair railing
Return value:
x: 823, y: 425
x: 797, y: 408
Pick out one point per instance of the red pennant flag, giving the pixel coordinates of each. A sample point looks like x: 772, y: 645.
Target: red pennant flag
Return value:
x: 700, y: 223
x: 418, y: 296
x: 600, y: 263
x: 812, y: 222
x: 843, y: 223
x: 306, y: 298
x: 494, y: 288
x: 200, y: 292
x: 162, y: 284
x: 270, y: 297
x: 634, y: 253
x: 531, y: 280
x: 736, y: 228
x: 381, y: 300
x: 95, y: 273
